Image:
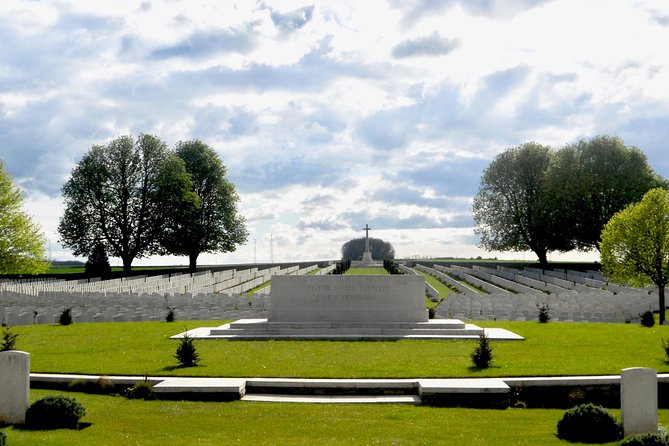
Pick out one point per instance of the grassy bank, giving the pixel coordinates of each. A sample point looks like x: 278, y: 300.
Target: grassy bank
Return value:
x: 139, y: 348
x: 115, y: 420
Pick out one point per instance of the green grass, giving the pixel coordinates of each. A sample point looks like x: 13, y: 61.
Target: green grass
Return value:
x: 115, y: 420
x: 366, y: 271
x: 138, y: 348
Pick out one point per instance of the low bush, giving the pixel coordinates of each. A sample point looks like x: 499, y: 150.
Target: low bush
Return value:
x: 659, y: 438
x: 8, y: 341
x: 647, y: 318
x: 170, y: 316
x: 143, y: 390
x: 3, y: 439
x: 482, y: 355
x: 665, y: 346
x: 101, y: 386
x: 186, y: 353
x: 544, y: 315
x: 65, y: 317
x: 589, y: 423
x: 53, y: 412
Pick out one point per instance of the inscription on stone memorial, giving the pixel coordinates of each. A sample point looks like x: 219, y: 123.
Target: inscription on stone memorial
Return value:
x: 348, y: 299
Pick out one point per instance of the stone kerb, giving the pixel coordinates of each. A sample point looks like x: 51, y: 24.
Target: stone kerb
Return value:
x: 14, y: 386
x: 338, y: 298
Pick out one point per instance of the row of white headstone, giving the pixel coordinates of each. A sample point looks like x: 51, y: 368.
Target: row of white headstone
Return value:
x: 46, y: 307
x: 228, y: 281
x: 611, y: 303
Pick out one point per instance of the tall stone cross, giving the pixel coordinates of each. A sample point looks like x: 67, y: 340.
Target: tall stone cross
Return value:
x: 366, y: 228
x: 367, y: 255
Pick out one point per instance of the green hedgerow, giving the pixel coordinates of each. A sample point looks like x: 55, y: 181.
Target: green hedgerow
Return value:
x: 588, y: 423
x: 53, y: 412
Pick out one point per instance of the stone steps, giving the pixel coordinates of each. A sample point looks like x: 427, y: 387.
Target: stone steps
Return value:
x: 246, y: 329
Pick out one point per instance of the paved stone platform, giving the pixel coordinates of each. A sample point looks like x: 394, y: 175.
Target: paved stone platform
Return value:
x: 248, y: 329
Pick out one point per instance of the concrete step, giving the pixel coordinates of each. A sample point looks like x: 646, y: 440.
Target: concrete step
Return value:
x: 334, y: 399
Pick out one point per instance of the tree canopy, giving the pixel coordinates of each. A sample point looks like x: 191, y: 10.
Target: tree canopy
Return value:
x: 536, y: 198
x: 635, y: 244
x: 110, y: 199
x: 353, y: 249
x: 200, y: 211
x: 134, y: 197
x: 607, y: 177
x: 21, y: 242
x: 514, y: 208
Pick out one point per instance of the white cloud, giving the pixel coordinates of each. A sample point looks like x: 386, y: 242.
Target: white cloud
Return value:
x: 319, y: 125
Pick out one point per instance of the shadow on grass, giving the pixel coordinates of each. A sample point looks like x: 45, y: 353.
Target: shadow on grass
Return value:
x: 171, y: 368
x: 474, y: 369
x: 25, y: 427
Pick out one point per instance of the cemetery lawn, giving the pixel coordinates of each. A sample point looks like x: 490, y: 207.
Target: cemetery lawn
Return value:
x: 144, y: 348
x: 116, y: 420
x: 366, y: 271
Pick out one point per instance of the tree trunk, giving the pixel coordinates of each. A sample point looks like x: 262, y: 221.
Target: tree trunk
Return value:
x: 127, y: 263
x: 662, y: 305
x: 192, y: 261
x: 542, y: 254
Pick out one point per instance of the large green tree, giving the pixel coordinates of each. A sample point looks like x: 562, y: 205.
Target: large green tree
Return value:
x: 353, y: 249
x: 201, y: 215
x: 21, y: 242
x: 603, y: 177
x: 110, y: 199
x: 635, y: 244
x: 516, y: 208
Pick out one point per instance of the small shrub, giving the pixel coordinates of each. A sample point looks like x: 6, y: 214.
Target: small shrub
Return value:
x: 142, y: 390
x: 588, y: 423
x: 665, y: 346
x: 186, y: 353
x: 3, y: 439
x: 659, y: 438
x: 544, y: 315
x: 65, y: 317
x: 647, y: 318
x: 8, y: 340
x: 102, y: 386
x: 53, y: 412
x: 482, y: 355
x: 170, y: 316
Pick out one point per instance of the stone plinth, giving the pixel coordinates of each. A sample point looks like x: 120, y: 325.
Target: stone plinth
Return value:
x: 14, y: 386
x: 638, y: 400
x: 365, y: 298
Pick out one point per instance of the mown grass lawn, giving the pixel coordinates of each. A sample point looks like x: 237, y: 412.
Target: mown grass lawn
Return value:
x: 117, y: 421
x: 139, y: 348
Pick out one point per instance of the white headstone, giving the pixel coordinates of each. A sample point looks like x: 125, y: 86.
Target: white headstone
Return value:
x: 638, y: 400
x: 14, y: 386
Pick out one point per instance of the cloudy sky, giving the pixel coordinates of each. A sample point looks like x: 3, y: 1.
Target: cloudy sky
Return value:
x: 330, y: 115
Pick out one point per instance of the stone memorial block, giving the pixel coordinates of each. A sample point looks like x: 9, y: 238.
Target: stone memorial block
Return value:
x: 337, y: 298
x: 14, y: 386
x: 638, y: 400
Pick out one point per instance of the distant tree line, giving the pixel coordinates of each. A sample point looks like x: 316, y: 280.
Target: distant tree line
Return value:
x: 533, y: 197
x: 133, y: 197
x: 353, y: 249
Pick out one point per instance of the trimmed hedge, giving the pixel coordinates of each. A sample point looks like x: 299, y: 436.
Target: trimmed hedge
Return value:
x: 588, y: 423
x: 53, y: 412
